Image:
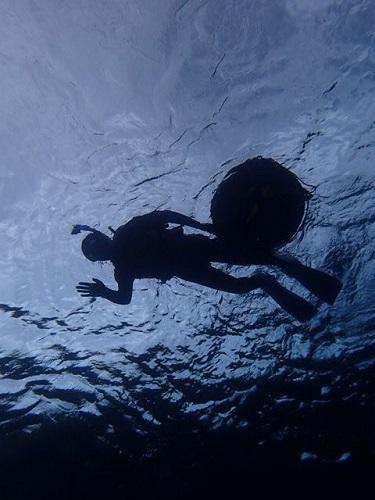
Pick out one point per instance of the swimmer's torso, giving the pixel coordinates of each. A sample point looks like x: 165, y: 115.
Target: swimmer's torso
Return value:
x: 145, y: 248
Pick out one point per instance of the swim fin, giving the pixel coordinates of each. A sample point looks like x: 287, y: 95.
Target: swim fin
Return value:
x: 321, y: 284
x: 293, y: 304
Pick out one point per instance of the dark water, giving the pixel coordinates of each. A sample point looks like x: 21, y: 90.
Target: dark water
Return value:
x: 112, y: 109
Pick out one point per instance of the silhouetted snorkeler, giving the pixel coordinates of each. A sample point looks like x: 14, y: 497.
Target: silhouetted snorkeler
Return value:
x: 146, y: 248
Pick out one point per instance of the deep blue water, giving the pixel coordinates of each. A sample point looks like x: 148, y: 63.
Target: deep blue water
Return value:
x: 113, y: 109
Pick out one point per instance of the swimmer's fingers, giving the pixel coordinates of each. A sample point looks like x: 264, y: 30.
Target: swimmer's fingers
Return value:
x: 84, y: 289
x: 95, y: 289
x: 76, y: 229
x: 82, y: 227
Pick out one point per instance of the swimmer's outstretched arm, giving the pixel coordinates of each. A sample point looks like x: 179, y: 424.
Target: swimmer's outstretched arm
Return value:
x: 169, y: 216
x: 121, y: 296
x: 83, y: 227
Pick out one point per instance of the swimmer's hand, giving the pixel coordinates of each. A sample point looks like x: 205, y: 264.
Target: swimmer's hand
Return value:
x: 96, y: 289
x: 82, y: 227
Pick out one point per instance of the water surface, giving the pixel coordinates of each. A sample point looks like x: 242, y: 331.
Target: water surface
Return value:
x: 113, y: 109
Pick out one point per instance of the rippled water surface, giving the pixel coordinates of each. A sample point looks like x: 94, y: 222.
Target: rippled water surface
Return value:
x: 113, y: 109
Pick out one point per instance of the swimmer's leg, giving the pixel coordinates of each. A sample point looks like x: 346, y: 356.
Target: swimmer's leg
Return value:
x: 214, y: 278
x: 322, y: 285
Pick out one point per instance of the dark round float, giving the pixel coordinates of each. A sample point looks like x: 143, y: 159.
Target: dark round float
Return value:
x: 259, y: 203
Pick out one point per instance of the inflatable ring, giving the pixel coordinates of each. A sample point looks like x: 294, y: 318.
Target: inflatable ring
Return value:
x: 259, y: 203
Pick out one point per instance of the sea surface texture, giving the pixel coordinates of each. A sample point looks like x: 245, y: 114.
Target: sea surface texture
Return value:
x: 111, y: 109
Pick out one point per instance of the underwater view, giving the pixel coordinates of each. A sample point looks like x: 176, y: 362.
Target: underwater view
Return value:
x: 114, y: 109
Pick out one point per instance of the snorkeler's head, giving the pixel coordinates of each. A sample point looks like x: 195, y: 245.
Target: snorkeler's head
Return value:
x: 97, y: 246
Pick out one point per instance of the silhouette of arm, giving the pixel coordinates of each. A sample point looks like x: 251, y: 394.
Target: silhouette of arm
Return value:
x: 169, y: 216
x: 98, y: 289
